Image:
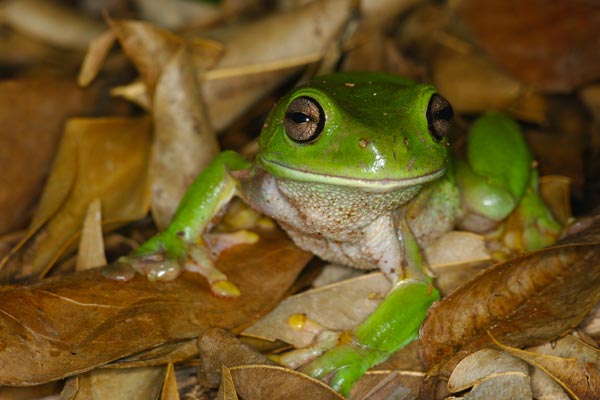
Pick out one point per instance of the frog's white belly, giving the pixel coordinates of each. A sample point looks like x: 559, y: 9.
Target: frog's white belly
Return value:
x: 339, y: 224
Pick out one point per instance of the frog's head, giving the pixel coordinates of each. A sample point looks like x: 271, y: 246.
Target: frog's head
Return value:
x: 370, y: 130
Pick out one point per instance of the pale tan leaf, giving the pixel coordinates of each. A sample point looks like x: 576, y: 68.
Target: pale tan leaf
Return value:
x: 484, y: 365
x: 327, y: 306
x: 95, y: 56
x: 120, y: 384
x: 91, y: 243
x: 184, y: 142
x: 52, y: 23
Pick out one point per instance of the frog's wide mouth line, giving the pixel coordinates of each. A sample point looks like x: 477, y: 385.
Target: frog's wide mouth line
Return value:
x: 383, y: 185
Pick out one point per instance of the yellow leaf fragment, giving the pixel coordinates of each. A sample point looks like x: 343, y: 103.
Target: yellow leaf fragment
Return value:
x: 169, y: 388
x: 227, y: 388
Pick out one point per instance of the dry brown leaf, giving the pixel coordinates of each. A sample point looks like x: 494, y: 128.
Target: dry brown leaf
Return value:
x: 474, y: 85
x: 32, y: 115
x: 67, y: 325
x: 271, y: 382
x: 573, y: 364
x: 97, y: 158
x: 220, y: 348
x: 526, y: 300
x: 90, y: 253
x: 160, y: 355
x: 50, y: 22
x: 383, y: 385
x: 131, y: 384
x: 553, y: 46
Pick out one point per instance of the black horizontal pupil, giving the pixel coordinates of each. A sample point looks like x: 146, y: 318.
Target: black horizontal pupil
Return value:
x: 446, y: 113
x: 299, y: 117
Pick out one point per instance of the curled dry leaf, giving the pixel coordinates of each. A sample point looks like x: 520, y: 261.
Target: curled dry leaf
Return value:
x: 491, y: 374
x: 71, y: 324
x: 97, y: 158
x: 553, y: 46
x: 524, y: 301
x: 573, y: 364
x: 271, y: 382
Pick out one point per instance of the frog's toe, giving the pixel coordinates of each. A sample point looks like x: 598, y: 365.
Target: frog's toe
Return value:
x: 340, y: 366
x: 199, y: 261
x: 156, y: 267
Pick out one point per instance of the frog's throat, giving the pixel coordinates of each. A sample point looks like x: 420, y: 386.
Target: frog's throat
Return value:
x: 376, y: 185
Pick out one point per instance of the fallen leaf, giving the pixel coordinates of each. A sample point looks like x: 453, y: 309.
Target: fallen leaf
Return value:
x: 184, y: 142
x: 491, y: 373
x: 32, y: 116
x: 570, y: 362
x: 71, y: 324
x: 527, y: 300
x: 327, y: 306
x: 132, y: 384
x: 473, y: 84
x: 97, y: 158
x: 271, y: 382
x: 552, y: 46
x: 50, y: 22
x: 383, y: 385
x: 220, y: 348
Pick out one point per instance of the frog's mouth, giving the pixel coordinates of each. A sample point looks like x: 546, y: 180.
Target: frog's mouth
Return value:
x: 376, y: 185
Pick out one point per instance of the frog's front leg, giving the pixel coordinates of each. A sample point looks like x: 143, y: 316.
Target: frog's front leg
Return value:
x: 394, y: 324
x: 181, y: 245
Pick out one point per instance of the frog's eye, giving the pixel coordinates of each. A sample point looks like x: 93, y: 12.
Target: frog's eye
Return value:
x: 439, y: 117
x: 304, y: 120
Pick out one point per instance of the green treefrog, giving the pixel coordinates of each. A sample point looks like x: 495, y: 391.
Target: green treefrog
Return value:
x: 355, y: 168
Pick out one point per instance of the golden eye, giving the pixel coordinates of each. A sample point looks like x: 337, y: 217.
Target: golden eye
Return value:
x: 439, y: 117
x: 304, y: 120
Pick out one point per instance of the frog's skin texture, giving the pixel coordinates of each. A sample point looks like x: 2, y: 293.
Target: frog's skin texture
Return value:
x: 355, y: 167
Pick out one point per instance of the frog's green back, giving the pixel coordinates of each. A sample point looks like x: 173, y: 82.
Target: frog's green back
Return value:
x: 375, y: 130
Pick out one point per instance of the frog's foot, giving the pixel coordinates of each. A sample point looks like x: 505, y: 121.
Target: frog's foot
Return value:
x: 199, y: 261
x: 344, y: 363
x: 156, y: 266
x: 164, y: 256
x: 221, y: 241
x: 335, y: 357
